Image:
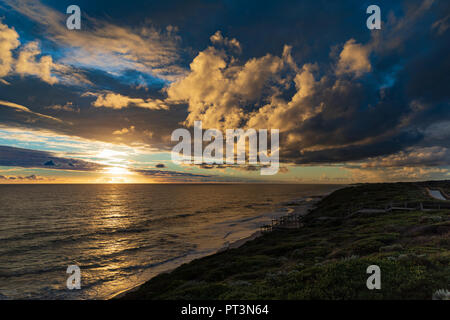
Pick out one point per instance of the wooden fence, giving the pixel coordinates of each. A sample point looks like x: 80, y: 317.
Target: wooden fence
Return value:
x: 293, y: 221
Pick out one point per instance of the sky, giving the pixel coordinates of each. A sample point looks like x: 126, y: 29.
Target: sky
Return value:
x: 99, y: 104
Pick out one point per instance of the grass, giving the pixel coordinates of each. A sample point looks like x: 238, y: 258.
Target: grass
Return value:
x: 327, y: 258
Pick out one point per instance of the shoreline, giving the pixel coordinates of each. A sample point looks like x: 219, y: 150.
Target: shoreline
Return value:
x: 293, y: 207
x: 233, y: 245
x: 308, y: 263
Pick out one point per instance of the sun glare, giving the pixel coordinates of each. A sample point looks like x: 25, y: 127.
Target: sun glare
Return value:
x: 117, y: 171
x: 110, y: 154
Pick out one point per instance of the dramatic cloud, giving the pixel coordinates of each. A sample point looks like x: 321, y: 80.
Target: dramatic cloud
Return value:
x: 124, y: 131
x: 27, y: 62
x: 364, y: 104
x: 354, y: 58
x: 118, y: 101
x: 218, y: 39
x: 8, y: 42
x: 107, y: 46
x: 217, y: 89
x: 21, y: 108
x: 25, y: 158
x: 412, y: 157
x: 28, y: 65
x: 349, y: 108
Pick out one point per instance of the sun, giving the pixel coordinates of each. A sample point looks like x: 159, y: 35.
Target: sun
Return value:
x: 117, y: 171
x: 111, y: 154
x: 115, y: 166
x: 118, y: 175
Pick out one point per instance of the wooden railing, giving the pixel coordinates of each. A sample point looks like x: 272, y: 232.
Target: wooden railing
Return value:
x: 293, y: 221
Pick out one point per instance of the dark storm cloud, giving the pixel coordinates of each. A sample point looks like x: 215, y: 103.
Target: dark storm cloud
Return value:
x: 388, y: 146
x: 27, y: 158
x: 261, y: 26
x: 354, y: 123
x: 393, y: 118
x: 394, y: 98
x: 375, y: 94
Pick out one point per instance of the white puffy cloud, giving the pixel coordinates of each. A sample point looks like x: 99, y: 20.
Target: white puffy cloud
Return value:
x: 218, y: 89
x: 118, y: 101
x: 217, y: 38
x: 279, y: 113
x: 223, y: 93
x: 30, y: 62
x: 9, y: 40
x: 124, y: 131
x: 354, y: 58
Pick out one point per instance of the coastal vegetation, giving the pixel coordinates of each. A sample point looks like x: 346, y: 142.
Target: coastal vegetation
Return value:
x: 328, y: 256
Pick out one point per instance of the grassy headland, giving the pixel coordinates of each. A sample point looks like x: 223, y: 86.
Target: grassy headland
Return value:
x: 327, y: 258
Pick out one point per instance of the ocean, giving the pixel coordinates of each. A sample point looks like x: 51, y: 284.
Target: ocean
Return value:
x: 121, y: 235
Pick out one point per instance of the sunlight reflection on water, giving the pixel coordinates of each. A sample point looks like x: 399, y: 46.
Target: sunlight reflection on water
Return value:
x: 121, y: 235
